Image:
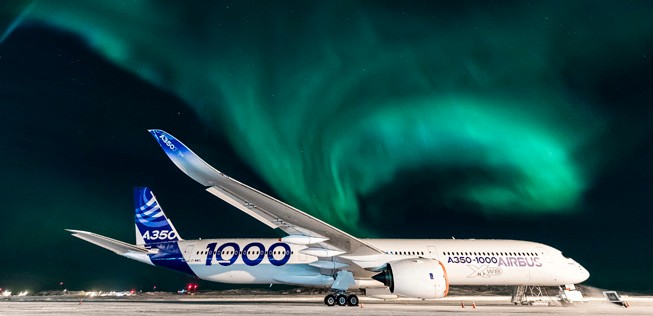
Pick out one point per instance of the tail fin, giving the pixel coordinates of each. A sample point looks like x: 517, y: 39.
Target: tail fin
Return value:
x: 152, y: 226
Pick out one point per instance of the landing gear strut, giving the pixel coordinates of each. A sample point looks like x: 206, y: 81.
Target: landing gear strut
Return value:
x: 343, y: 280
x: 342, y: 299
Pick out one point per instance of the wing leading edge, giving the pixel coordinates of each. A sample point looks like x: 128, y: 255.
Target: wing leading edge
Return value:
x: 116, y: 246
x: 268, y: 210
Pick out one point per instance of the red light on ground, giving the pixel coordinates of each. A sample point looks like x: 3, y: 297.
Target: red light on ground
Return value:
x: 190, y: 286
x: 195, y: 287
x: 132, y: 291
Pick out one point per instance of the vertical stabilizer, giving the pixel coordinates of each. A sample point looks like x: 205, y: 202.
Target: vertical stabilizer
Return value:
x: 152, y: 225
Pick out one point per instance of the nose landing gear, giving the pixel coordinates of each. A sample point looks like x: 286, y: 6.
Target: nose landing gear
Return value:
x: 342, y: 299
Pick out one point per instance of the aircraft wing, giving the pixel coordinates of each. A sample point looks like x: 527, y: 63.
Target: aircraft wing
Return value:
x: 268, y: 210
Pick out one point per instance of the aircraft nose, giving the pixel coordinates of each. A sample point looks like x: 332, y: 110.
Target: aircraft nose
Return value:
x: 583, y: 274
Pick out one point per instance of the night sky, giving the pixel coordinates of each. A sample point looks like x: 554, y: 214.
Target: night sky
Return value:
x: 509, y: 119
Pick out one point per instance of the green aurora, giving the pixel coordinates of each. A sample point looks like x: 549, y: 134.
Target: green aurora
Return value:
x: 330, y: 102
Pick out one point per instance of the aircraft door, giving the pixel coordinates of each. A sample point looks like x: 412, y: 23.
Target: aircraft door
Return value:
x: 546, y: 256
x: 188, y: 253
x: 433, y: 253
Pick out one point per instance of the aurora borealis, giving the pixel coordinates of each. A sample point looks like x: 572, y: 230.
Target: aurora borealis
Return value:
x: 512, y: 117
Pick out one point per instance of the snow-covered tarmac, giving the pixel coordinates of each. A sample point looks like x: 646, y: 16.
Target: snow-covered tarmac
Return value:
x: 307, y: 305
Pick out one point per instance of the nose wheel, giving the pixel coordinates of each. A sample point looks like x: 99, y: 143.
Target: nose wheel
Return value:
x: 341, y: 299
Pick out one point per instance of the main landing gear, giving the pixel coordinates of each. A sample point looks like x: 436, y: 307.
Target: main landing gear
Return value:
x: 342, y: 299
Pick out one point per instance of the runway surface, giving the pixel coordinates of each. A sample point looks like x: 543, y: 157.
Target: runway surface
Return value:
x: 307, y: 305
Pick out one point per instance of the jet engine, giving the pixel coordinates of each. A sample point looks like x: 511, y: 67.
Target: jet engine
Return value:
x: 415, y: 278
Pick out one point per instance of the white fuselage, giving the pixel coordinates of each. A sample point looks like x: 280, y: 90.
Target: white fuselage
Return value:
x: 467, y: 262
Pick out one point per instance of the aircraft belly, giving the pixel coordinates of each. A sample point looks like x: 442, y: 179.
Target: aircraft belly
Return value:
x: 245, y: 274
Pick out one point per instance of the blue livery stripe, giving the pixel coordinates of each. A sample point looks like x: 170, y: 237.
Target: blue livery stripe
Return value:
x: 151, y: 223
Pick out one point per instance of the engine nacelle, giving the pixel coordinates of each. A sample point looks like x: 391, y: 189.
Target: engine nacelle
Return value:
x: 415, y: 278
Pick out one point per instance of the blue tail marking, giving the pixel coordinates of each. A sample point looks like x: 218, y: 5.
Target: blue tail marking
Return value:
x: 152, y: 225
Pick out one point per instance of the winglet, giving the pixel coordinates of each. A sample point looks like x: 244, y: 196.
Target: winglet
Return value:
x: 185, y: 159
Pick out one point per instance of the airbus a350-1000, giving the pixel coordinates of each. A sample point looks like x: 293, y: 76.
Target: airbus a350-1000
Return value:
x: 316, y: 254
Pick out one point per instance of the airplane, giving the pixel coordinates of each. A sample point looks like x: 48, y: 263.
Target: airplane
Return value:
x: 316, y: 254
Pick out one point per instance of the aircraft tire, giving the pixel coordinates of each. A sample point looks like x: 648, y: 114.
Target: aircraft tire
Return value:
x: 341, y: 300
x: 330, y: 300
x: 352, y: 300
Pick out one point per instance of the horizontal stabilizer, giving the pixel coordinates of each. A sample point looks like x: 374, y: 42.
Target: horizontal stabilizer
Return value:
x: 116, y: 246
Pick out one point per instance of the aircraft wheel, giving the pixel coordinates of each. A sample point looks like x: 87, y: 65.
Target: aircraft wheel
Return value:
x: 330, y: 300
x: 341, y: 300
x: 352, y: 300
